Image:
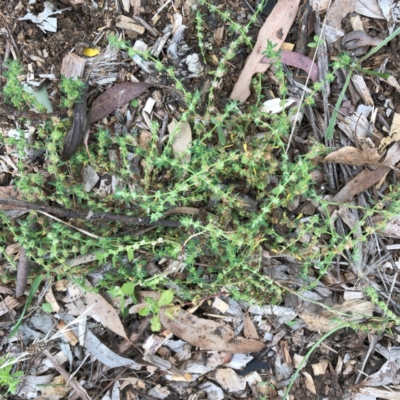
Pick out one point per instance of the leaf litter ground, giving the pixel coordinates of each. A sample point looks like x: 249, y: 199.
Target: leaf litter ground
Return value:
x: 215, y: 347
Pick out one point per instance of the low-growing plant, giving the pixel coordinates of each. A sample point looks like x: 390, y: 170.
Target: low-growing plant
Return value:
x: 14, y: 92
x: 154, y: 307
x: 8, y: 378
x: 237, y: 188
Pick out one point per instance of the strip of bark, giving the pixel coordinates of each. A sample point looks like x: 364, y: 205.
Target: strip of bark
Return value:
x: 88, y: 215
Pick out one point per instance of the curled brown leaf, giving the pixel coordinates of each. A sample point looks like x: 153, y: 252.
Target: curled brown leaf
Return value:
x: 356, y: 39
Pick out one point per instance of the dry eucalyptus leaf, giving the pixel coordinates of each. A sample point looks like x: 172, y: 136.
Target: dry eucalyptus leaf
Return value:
x: 391, y: 228
x: 352, y: 156
x: 327, y: 320
x: 359, y: 38
x: 249, y: 330
x: 309, y: 381
x: 116, y: 97
x: 275, y: 29
x: 362, y: 89
x: 205, y: 333
x: 369, y: 8
x: 181, y: 134
x: 367, y: 178
x: 394, y: 134
x: 105, y: 312
x: 297, y: 60
x: 338, y: 10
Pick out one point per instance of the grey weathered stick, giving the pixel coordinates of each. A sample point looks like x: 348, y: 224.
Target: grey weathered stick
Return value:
x: 89, y: 215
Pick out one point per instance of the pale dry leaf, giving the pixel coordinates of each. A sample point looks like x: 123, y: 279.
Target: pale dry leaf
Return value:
x: 52, y: 300
x: 309, y: 381
x: 8, y: 304
x: 327, y: 320
x: 338, y: 10
x: 367, y: 178
x: 230, y: 380
x: 352, y: 156
x: 56, y: 390
x: 181, y: 134
x: 319, y: 5
x: 369, y: 8
x: 394, y: 134
x: 105, y: 312
x: 391, y: 228
x: 320, y: 368
x: 220, y: 305
x: 362, y: 89
x: 275, y: 29
x: 380, y: 393
x: 392, y: 81
x: 219, y: 35
x: 249, y: 330
x: 206, y: 334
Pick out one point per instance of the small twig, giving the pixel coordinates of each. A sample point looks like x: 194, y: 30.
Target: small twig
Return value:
x: 73, y: 382
x: 88, y: 215
x: 22, y: 273
x: 70, y: 225
x: 5, y: 19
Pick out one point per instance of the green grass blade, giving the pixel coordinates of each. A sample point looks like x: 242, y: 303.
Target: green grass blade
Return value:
x: 380, y: 45
x: 329, y: 131
x: 35, y: 285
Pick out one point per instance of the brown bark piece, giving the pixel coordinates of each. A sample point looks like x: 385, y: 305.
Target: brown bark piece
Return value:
x: 275, y: 29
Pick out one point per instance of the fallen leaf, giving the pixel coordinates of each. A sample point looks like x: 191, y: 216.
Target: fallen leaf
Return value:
x: 359, y: 38
x: 275, y: 29
x: 391, y: 227
x: 309, y: 383
x: 273, y: 106
x: 249, y: 330
x: 207, y: 334
x: 297, y: 60
x: 181, y: 138
x: 369, y: 8
x: 367, y: 178
x: 338, y: 10
x: 355, y: 310
x: 352, y: 156
x: 394, y: 134
x: 116, y: 97
x: 105, y: 312
x: 362, y: 89
x: 230, y: 380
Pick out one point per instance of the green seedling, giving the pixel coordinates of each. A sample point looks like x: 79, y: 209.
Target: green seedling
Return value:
x: 7, y: 378
x: 127, y: 289
x: 154, y: 307
x: 317, y: 42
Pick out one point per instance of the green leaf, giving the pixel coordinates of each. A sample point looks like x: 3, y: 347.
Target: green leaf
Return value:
x: 144, y: 311
x: 47, y: 307
x: 130, y: 253
x: 221, y: 136
x: 155, y: 323
x: 35, y: 286
x: 166, y: 298
x: 128, y: 288
x: 134, y: 103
